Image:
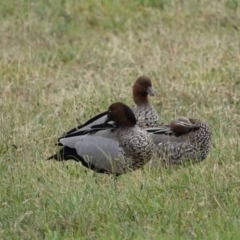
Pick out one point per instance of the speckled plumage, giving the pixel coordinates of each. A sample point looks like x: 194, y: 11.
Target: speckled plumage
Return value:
x: 146, y: 116
x: 186, y: 144
x: 137, y: 147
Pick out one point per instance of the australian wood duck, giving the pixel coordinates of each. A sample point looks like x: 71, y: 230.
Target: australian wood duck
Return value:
x: 109, y: 148
x: 183, y: 139
x: 145, y: 113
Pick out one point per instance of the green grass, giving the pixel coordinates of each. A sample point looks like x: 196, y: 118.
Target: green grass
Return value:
x: 62, y: 60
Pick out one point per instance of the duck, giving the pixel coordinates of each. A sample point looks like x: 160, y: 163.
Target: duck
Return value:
x: 117, y: 146
x: 144, y: 111
x: 184, y: 139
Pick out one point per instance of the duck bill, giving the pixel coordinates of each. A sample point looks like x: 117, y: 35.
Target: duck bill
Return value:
x: 150, y: 91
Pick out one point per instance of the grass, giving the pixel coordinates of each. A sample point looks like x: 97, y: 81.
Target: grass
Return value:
x: 62, y: 60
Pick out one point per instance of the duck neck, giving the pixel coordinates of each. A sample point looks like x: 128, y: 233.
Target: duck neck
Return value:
x: 140, y: 99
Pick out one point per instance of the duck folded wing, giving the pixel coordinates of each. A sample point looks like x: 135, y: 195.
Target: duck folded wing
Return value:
x: 98, y: 119
x: 166, y: 135
x: 95, y: 151
x: 100, y: 129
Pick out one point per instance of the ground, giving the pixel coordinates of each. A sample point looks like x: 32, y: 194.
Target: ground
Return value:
x: 62, y: 62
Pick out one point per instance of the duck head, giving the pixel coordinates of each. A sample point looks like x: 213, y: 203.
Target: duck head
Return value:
x: 183, y: 125
x: 121, y: 114
x: 141, y: 89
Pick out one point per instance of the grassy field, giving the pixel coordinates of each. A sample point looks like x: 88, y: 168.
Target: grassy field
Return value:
x: 67, y: 60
